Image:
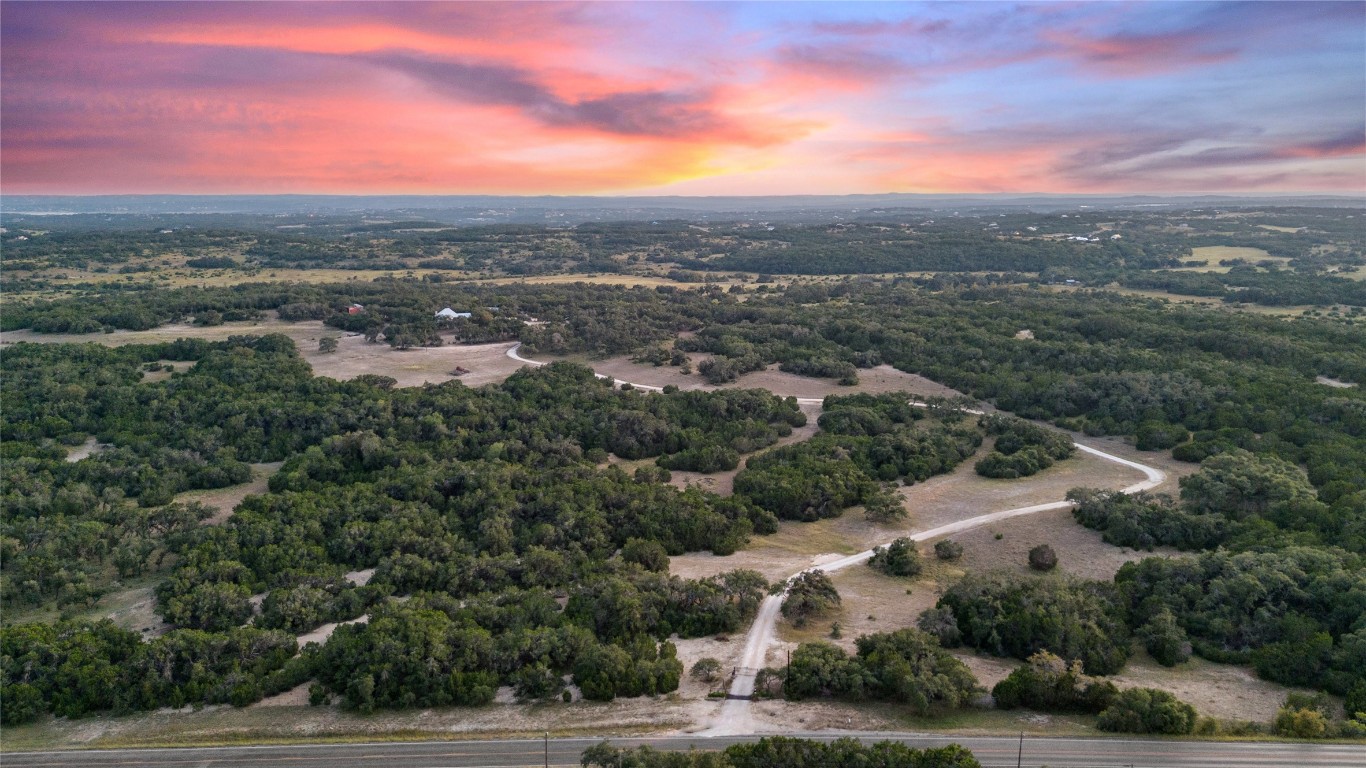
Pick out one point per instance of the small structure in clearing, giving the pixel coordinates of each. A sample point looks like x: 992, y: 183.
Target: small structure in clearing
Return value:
x: 450, y: 314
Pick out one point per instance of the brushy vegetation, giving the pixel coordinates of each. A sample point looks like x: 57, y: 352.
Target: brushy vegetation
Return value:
x: 906, y: 666
x: 489, y: 508
x: 785, y: 752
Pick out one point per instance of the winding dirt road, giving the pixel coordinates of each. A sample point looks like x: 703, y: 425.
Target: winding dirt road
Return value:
x: 735, y: 716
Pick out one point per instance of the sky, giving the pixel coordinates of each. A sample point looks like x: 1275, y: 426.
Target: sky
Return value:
x: 682, y: 98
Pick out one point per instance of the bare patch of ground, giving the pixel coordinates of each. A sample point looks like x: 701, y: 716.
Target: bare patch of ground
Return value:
x: 883, y: 378
x: 294, y: 697
x: 135, y: 609
x: 870, y: 602
x: 1336, y: 383
x: 1221, y: 691
x: 292, y: 721
x: 224, y: 500
x: 794, y: 547
x: 1211, y: 255
x: 786, y: 716
x: 989, y: 670
x: 150, y: 377
x: 728, y: 651
x: 89, y: 448
x: 486, y: 363
x: 360, y: 578
x: 321, y: 634
x: 173, y: 331
x: 1081, y: 552
x: 958, y: 495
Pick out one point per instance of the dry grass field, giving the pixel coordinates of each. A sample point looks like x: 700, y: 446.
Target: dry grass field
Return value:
x: 1211, y: 255
x: 486, y: 363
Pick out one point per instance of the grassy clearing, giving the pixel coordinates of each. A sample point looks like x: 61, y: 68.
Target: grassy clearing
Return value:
x: 130, y: 605
x: 1211, y: 255
x: 224, y: 500
x: 1207, y: 302
x: 486, y: 363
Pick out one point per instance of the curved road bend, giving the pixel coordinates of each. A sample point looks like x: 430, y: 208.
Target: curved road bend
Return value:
x: 993, y: 752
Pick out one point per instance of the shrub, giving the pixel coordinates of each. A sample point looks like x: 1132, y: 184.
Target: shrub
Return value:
x: 1050, y: 684
x: 900, y: 558
x: 22, y: 703
x: 811, y: 594
x: 1043, y: 558
x: 884, y: 506
x: 649, y: 555
x: 1301, y: 723
x: 1355, y: 702
x: 1164, y: 639
x: 536, y: 681
x: 948, y: 549
x: 1304, y: 716
x: 941, y: 623
x: 1147, y: 710
x: 706, y: 670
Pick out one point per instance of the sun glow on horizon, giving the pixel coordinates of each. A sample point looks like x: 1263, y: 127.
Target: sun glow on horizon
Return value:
x: 685, y: 98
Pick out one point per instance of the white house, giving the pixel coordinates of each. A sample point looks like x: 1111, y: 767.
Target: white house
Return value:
x: 450, y: 314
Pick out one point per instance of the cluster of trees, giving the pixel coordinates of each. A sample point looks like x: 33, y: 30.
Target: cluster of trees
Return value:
x: 75, y: 667
x: 1050, y: 684
x: 1174, y: 369
x: 484, y: 503
x: 846, y: 464
x: 786, y: 752
x: 907, y: 666
x: 810, y: 594
x: 1072, y: 618
x: 1313, y: 716
x: 434, y: 651
x: 900, y: 558
x: 1022, y: 448
x: 1237, y: 500
x: 1252, y: 285
x: 1294, y: 613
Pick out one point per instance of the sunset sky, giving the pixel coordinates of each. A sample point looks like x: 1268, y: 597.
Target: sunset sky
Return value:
x: 682, y: 98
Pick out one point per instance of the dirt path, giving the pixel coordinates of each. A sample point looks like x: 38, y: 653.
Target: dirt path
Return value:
x: 736, y: 716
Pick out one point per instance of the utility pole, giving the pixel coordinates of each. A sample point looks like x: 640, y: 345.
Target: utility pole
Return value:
x: 1019, y: 759
x: 547, y: 749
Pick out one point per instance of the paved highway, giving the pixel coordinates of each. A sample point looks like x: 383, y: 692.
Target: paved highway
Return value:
x: 993, y: 752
